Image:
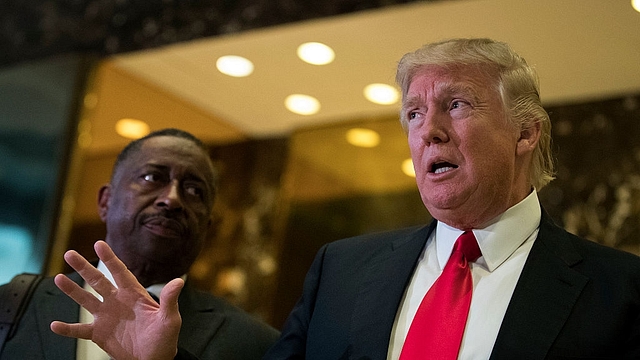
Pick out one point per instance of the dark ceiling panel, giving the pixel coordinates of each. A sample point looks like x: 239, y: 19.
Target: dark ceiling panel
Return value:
x: 31, y: 29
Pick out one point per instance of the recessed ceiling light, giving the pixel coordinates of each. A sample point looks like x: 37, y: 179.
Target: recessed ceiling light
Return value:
x: 235, y: 66
x: 381, y: 94
x: 302, y: 104
x: 316, y: 53
x: 407, y: 168
x: 636, y: 5
x: 363, y: 137
x: 132, y: 128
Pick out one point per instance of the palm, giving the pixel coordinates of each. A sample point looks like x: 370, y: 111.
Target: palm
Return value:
x: 128, y: 323
x: 125, y: 332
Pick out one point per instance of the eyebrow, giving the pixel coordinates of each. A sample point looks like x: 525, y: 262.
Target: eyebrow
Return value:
x: 412, y: 102
x: 448, y: 88
x: 189, y: 175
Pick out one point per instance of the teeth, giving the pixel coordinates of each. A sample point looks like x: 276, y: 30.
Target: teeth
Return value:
x: 443, y: 169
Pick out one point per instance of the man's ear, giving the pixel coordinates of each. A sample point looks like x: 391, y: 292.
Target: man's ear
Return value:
x: 528, y: 139
x: 104, y: 194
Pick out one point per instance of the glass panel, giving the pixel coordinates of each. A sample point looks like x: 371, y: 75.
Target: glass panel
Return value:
x: 36, y: 106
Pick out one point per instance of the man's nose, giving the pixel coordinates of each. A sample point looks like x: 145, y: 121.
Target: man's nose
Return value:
x: 170, y: 196
x: 434, y: 128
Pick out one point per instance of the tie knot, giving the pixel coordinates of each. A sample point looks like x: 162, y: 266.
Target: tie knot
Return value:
x: 468, y: 245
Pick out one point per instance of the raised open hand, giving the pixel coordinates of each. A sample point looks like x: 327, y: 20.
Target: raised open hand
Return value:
x: 128, y: 323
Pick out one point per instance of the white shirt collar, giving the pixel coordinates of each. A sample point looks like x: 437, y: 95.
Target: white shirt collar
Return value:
x: 500, y: 238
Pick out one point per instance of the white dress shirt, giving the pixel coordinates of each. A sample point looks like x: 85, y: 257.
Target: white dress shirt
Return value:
x: 505, y: 244
x: 87, y: 349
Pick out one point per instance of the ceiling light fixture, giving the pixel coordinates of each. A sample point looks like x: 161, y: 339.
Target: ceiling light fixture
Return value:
x: 316, y: 53
x: 407, y: 168
x: 363, y: 137
x: 636, y: 5
x: 302, y: 104
x: 235, y: 66
x: 132, y: 128
x: 382, y: 94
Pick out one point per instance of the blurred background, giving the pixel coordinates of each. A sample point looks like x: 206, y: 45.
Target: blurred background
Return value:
x: 80, y: 78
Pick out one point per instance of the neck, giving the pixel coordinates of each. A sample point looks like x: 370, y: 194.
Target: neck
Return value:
x: 482, y: 220
x: 148, y: 274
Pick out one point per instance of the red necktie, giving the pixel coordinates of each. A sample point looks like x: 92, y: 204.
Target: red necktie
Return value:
x: 437, y: 328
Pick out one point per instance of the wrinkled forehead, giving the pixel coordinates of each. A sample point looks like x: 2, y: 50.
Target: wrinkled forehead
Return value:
x: 470, y: 80
x: 490, y: 70
x: 172, y: 153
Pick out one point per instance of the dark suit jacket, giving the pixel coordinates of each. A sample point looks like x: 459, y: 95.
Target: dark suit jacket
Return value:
x: 574, y: 299
x: 211, y: 328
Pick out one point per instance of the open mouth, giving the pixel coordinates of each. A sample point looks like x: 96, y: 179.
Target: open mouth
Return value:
x: 442, y: 167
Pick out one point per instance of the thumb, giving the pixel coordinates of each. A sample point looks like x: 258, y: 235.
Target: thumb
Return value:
x: 170, y: 293
x: 169, y: 305
x: 167, y: 335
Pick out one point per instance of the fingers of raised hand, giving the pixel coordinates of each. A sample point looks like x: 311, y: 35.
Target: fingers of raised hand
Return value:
x: 78, y: 294
x: 122, y: 276
x: 82, y: 331
x: 89, y: 273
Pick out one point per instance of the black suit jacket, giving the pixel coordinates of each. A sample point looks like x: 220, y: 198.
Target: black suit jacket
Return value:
x: 574, y: 299
x: 211, y: 328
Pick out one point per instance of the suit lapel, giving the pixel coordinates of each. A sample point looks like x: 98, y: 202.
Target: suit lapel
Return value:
x: 543, y: 298
x: 55, y: 305
x: 200, y: 320
x: 381, y: 292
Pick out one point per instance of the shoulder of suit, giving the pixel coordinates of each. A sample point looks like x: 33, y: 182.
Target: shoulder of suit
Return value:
x: 591, y: 252
x: 378, y: 238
